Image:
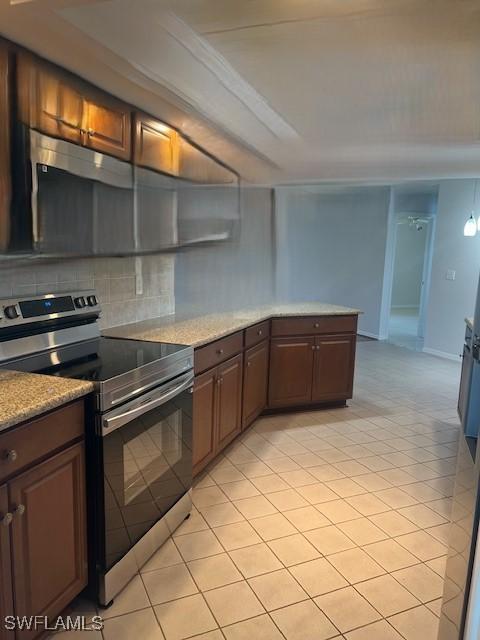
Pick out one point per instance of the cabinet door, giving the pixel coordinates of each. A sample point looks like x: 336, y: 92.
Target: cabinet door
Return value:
x: 108, y: 126
x: 5, y: 173
x: 333, y: 368
x: 49, y: 537
x: 229, y: 402
x: 255, y: 382
x: 155, y: 145
x: 49, y: 99
x: 204, y: 419
x: 6, y: 599
x: 291, y: 368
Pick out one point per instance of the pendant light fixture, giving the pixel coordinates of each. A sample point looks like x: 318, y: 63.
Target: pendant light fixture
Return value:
x: 471, y: 225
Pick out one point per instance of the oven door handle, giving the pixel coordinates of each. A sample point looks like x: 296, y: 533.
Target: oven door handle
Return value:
x: 111, y: 424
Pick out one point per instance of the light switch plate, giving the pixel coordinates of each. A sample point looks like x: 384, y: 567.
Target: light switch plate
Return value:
x: 450, y: 275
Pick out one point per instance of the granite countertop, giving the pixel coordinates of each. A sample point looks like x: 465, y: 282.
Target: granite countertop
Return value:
x: 199, y: 330
x: 27, y: 395
x: 469, y: 322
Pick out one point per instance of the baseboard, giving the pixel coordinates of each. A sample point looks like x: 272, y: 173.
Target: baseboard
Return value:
x: 367, y: 334
x: 441, y: 354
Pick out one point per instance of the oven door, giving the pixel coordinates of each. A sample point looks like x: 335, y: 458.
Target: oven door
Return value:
x: 146, y: 446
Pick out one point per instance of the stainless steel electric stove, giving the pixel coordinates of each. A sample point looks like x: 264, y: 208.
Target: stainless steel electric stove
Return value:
x: 139, y: 431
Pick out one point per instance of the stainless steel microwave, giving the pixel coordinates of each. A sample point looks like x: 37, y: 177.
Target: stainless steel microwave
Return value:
x: 71, y: 201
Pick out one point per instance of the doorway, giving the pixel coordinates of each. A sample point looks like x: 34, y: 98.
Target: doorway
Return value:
x: 411, y: 267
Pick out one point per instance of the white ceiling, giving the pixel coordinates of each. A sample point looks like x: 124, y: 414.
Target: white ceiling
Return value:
x: 325, y: 90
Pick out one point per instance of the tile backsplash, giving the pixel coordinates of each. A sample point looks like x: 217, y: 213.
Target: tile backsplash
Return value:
x: 113, y: 278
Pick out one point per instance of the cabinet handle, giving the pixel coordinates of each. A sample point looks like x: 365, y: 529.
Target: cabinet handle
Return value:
x: 317, y: 347
x: 10, y: 455
x: 220, y: 352
x: 90, y: 132
x: 259, y: 332
x: 316, y: 325
x: 313, y: 347
x: 7, y: 519
x: 19, y: 511
x: 249, y: 364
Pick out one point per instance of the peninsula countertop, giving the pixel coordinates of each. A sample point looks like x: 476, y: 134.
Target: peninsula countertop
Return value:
x: 196, y: 331
x: 27, y: 395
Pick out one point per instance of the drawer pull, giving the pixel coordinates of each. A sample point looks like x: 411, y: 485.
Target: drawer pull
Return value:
x: 11, y: 455
x: 7, y: 519
x: 220, y: 352
x: 259, y: 332
x: 19, y: 511
x: 316, y: 325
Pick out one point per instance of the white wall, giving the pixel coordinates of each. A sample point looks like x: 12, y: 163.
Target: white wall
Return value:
x: 408, y: 267
x: 450, y: 301
x: 331, y: 247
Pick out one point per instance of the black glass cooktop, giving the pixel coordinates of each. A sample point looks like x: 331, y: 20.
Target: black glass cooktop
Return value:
x: 97, y: 360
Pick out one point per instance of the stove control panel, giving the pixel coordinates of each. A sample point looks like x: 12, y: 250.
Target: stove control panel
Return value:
x: 50, y: 306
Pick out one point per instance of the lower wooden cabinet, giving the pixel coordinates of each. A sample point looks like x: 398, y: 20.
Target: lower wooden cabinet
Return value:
x: 255, y: 382
x: 217, y: 410
x: 43, y: 525
x: 48, y: 531
x: 204, y: 419
x: 291, y: 366
x: 311, y: 370
x: 291, y: 369
x: 6, y: 596
x: 229, y: 382
x: 333, y: 368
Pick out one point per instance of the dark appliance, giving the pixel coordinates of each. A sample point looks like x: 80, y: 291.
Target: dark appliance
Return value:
x: 139, y: 435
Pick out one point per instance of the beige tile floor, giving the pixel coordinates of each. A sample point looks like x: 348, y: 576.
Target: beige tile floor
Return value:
x: 315, y: 525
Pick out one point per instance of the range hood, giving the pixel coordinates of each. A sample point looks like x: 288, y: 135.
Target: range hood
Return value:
x: 72, y: 201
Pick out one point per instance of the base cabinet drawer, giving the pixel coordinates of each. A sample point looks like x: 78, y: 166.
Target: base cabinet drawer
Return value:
x: 24, y: 445
x: 257, y: 333
x: 255, y: 382
x: 217, y: 352
x: 314, y: 325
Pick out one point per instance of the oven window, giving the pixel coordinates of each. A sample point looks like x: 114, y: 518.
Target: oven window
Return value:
x: 147, y: 468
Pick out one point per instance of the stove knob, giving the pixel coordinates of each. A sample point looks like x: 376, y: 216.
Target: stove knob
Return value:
x: 92, y: 301
x: 80, y: 302
x: 11, y: 312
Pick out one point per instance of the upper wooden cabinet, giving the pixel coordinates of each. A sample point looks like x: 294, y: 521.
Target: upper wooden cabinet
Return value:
x: 195, y: 165
x: 108, y: 126
x: 5, y: 123
x: 155, y: 145
x: 61, y: 105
